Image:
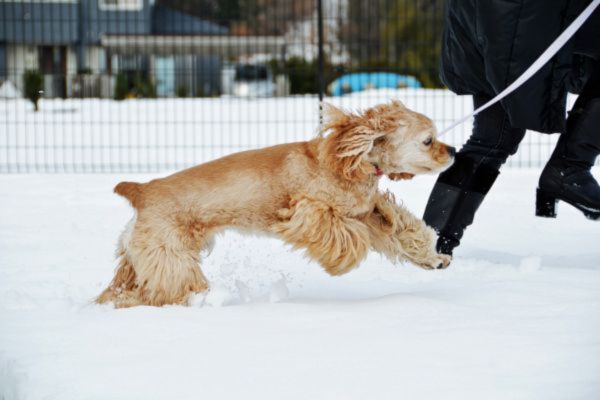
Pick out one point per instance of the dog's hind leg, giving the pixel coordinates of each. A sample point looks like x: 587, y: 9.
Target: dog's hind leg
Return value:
x: 123, y: 287
x: 122, y: 290
x: 165, y: 253
x: 400, y: 236
x: 159, y: 264
x: 337, y: 241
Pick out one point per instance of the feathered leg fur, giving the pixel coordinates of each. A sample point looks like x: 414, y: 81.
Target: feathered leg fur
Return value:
x: 339, y: 243
x: 159, y: 264
x: 400, y: 236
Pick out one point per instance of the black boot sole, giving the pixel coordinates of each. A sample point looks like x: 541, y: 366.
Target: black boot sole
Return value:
x: 545, y: 206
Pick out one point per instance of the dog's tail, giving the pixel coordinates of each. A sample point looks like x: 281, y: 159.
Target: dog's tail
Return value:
x: 132, y: 191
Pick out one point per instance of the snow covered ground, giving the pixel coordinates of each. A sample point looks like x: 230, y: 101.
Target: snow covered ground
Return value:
x: 516, y: 316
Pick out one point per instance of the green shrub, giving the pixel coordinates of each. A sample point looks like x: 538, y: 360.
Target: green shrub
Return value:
x: 138, y: 85
x: 33, y: 82
x: 84, y: 71
x: 144, y: 87
x: 121, y: 86
x: 181, y: 91
x: 303, y: 74
x: 406, y: 38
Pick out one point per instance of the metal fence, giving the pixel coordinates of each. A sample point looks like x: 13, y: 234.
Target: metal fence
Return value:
x: 149, y: 85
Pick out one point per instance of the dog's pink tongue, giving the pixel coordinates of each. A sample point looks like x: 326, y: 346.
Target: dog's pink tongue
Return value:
x: 396, y: 176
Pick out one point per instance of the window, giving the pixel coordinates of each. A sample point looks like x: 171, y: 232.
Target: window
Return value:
x: 121, y: 5
x: 251, y: 73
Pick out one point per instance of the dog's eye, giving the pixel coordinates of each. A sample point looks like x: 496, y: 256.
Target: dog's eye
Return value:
x: 379, y: 140
x: 428, y: 142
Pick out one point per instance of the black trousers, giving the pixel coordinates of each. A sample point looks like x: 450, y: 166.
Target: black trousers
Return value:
x: 591, y: 90
x: 493, y: 138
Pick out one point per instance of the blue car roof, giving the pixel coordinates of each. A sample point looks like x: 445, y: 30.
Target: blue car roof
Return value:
x: 357, y: 82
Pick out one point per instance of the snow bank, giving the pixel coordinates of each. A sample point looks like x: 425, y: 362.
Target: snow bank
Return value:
x: 514, y: 317
x: 9, y: 91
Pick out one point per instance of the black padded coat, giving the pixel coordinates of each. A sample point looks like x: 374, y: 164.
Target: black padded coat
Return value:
x: 487, y: 44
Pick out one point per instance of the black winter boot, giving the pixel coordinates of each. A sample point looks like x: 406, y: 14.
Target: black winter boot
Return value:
x: 567, y: 175
x: 455, y: 198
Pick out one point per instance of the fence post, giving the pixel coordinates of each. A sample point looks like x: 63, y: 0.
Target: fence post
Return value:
x: 321, y: 60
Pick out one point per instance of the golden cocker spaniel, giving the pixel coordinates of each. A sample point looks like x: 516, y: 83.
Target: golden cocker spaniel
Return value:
x: 320, y: 195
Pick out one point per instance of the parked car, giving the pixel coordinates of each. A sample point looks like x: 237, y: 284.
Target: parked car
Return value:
x: 360, y: 81
x: 253, y: 80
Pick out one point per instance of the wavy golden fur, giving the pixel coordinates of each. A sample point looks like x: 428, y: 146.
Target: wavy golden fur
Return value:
x: 319, y: 195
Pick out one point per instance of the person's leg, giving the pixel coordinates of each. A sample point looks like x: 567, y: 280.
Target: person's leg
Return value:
x: 460, y: 190
x: 567, y: 174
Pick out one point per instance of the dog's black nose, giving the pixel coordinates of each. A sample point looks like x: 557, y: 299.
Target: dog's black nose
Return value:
x: 452, y: 151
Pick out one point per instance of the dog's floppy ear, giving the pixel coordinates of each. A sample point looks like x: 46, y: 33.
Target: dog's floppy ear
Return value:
x: 350, y: 138
x: 386, y: 117
x: 333, y: 116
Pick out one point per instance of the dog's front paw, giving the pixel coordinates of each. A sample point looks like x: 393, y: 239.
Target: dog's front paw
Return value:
x: 439, y: 261
x: 444, y: 261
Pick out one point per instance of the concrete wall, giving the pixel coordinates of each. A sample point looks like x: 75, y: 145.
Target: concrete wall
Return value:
x: 20, y: 58
x: 71, y: 70
x: 95, y: 59
x: 208, y: 75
